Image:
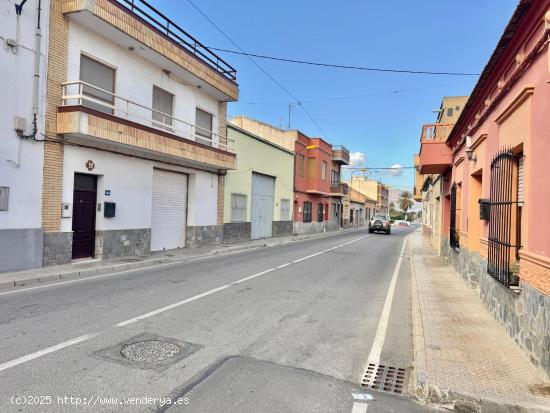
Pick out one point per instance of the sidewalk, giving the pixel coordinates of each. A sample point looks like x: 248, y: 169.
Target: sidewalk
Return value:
x: 463, y: 358
x: 89, y: 268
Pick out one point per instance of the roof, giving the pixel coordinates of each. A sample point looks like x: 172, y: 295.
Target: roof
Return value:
x: 485, y: 77
x: 259, y: 138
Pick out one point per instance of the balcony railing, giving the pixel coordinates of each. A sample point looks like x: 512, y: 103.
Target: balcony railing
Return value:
x: 436, y: 132
x: 167, y: 27
x: 340, y: 154
x: 79, y: 93
x: 338, y: 188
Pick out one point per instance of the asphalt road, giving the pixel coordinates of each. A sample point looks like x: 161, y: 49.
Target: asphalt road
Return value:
x: 283, y: 329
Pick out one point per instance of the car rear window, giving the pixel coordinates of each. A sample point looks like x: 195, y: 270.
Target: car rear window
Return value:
x: 380, y: 216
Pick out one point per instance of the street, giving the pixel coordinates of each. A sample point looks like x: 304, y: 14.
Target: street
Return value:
x: 287, y: 328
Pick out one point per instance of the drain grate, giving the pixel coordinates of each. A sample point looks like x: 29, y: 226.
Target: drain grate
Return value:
x: 384, y: 378
x: 149, y: 351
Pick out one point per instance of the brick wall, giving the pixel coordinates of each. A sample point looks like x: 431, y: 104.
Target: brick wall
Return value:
x: 220, y: 202
x: 535, y: 271
x: 53, y: 149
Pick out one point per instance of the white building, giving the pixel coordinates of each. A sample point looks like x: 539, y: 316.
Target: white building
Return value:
x: 136, y: 117
x: 24, y: 39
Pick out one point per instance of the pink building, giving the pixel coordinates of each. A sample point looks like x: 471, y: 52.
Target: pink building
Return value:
x: 495, y: 165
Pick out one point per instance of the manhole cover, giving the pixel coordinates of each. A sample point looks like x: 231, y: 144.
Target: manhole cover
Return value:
x: 149, y: 351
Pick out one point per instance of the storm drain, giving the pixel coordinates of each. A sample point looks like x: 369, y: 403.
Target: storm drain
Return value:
x: 385, y: 378
x: 150, y: 351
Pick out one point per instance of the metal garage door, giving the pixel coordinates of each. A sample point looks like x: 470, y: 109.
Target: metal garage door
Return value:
x: 169, y: 213
x: 261, y: 215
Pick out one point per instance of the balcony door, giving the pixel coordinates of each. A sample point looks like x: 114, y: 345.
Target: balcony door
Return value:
x: 99, y: 87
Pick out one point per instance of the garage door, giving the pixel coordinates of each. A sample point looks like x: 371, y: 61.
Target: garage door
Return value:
x: 261, y: 215
x: 168, y: 220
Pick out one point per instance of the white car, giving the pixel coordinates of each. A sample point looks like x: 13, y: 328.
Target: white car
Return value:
x: 380, y: 222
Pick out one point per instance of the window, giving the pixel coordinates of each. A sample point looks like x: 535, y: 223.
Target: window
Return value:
x: 311, y: 167
x: 301, y: 160
x: 449, y: 112
x: 102, y: 80
x: 285, y: 209
x: 238, y: 208
x: 334, y: 178
x: 203, y: 122
x: 324, y: 171
x: 4, y: 198
x: 307, y: 212
x: 334, y: 211
x: 320, y: 212
x: 163, y: 102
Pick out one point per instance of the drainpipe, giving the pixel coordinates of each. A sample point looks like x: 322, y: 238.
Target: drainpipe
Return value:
x: 36, y: 75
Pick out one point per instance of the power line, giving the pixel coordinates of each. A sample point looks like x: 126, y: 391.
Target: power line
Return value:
x: 241, y: 51
x: 339, y: 66
x: 388, y: 92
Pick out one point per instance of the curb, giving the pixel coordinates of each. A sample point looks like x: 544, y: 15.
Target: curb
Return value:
x: 89, y: 272
x: 425, y: 392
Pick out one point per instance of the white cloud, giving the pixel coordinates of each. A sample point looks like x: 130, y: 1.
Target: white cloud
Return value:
x: 396, y: 170
x: 357, y: 160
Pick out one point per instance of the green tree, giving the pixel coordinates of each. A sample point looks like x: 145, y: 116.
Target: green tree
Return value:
x: 405, y: 201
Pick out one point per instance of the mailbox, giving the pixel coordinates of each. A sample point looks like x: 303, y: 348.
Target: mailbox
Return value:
x: 484, y: 209
x: 109, y: 209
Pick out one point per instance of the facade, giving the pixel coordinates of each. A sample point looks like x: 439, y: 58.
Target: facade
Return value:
x: 128, y: 170
x: 318, y: 189
x: 259, y: 192
x: 431, y: 184
x: 358, y: 209
x: 496, y: 180
x: 374, y: 190
x: 23, y: 57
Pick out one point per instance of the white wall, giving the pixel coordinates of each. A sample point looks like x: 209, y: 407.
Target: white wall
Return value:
x: 135, y: 77
x: 22, y: 174
x: 130, y: 181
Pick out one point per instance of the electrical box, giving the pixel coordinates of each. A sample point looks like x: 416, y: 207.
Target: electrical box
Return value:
x: 109, y: 209
x: 66, y: 210
x: 19, y: 124
x: 484, y: 209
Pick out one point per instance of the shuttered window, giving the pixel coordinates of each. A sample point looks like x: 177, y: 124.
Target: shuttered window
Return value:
x: 163, y: 106
x: 285, y: 209
x: 311, y: 164
x: 238, y: 208
x: 520, y: 179
x: 324, y: 171
x: 203, y: 122
x: 301, y: 164
x: 99, y: 76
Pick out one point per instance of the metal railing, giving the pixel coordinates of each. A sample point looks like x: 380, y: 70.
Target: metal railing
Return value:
x: 338, y: 187
x: 503, y: 239
x: 167, y: 27
x: 79, y: 93
x: 436, y: 132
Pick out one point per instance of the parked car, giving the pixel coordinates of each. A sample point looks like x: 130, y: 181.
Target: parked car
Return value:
x: 380, y: 222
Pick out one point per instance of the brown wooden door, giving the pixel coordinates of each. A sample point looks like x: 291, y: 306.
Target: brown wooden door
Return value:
x: 84, y: 201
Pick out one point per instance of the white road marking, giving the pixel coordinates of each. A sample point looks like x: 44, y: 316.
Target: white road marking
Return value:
x: 40, y: 353
x: 378, y: 343
x: 359, y: 407
x: 284, y: 265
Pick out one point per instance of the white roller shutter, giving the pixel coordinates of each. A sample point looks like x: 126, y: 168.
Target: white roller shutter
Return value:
x: 169, y: 210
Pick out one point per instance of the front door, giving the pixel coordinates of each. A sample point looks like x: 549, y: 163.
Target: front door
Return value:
x: 84, y: 201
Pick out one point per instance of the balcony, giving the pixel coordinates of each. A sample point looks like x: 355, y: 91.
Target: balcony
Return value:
x: 127, y: 127
x: 137, y: 26
x: 340, y: 154
x: 435, y: 155
x: 338, y: 189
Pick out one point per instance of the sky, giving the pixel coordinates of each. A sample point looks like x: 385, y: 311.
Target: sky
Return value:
x: 377, y: 116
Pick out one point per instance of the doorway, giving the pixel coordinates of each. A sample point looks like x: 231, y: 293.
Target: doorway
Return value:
x: 84, y: 204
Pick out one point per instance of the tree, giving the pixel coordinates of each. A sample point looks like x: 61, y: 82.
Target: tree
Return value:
x: 405, y: 201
